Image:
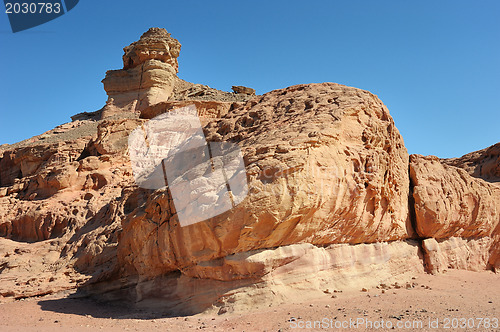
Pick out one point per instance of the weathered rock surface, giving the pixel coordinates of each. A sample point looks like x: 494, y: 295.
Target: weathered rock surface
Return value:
x: 148, y: 74
x: 154, y: 44
x: 461, y: 212
x: 259, y: 278
x: 243, y: 90
x: 138, y: 87
x: 149, y: 77
x: 484, y: 164
x: 325, y: 164
x: 207, y: 110
x: 60, y: 218
x: 456, y: 253
x: 449, y: 202
x: 334, y: 200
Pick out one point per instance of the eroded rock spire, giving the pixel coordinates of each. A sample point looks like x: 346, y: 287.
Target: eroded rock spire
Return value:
x: 148, y: 75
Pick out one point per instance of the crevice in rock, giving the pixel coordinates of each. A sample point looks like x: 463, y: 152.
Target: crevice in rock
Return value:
x: 413, y: 222
x: 88, y: 151
x: 411, y: 208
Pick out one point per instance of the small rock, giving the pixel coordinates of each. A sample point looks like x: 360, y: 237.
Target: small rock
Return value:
x: 243, y: 90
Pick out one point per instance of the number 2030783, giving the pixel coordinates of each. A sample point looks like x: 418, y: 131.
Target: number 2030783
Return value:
x: 32, y: 8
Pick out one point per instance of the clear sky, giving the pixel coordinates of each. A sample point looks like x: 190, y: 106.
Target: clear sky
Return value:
x: 435, y: 64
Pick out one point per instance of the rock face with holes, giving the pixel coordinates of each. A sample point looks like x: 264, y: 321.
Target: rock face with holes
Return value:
x: 148, y: 75
x: 325, y: 164
x: 154, y: 44
x: 458, y: 214
x: 484, y: 164
x: 334, y: 200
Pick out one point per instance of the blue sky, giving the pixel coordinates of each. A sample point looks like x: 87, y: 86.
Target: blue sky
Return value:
x: 435, y: 64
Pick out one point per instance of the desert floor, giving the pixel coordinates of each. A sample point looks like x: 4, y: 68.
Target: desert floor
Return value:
x: 435, y: 302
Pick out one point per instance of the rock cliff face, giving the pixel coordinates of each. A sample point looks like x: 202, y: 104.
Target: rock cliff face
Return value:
x: 457, y: 210
x: 325, y: 164
x: 449, y: 202
x: 334, y: 200
x: 484, y: 164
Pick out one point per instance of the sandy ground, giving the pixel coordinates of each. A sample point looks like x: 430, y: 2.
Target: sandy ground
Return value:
x: 459, y: 300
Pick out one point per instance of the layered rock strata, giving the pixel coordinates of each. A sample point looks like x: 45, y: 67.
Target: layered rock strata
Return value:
x: 457, y: 214
x: 334, y: 199
x: 325, y: 164
x: 149, y: 77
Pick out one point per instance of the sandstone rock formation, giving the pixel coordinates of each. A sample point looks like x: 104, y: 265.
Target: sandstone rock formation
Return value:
x: 484, y: 164
x: 149, y: 77
x: 243, y: 90
x: 334, y: 199
x: 449, y: 202
x: 260, y: 278
x: 457, y: 253
x: 148, y: 74
x: 325, y: 164
x: 457, y: 213
x: 155, y: 44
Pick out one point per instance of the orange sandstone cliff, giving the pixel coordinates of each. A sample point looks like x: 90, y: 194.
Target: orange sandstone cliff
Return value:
x: 334, y: 200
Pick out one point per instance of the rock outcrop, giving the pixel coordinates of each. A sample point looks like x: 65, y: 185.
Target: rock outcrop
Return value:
x: 154, y: 44
x: 449, y: 202
x: 459, y: 215
x: 243, y: 90
x: 149, y: 77
x: 148, y: 74
x: 334, y: 200
x: 457, y: 253
x: 325, y: 164
x: 257, y: 279
x: 484, y: 164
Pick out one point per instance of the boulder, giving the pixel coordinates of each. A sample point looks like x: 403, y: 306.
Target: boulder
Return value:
x: 456, y: 213
x: 325, y: 164
x: 243, y: 90
x: 451, y: 203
